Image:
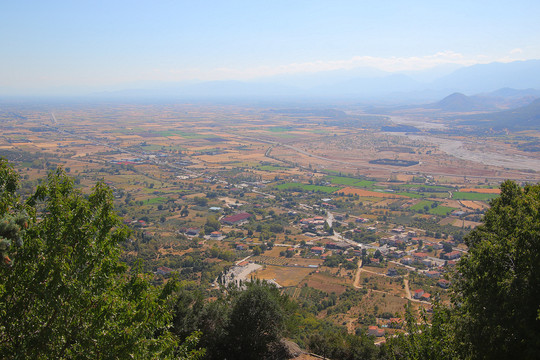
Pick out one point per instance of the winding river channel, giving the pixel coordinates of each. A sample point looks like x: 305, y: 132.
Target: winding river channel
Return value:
x: 459, y: 149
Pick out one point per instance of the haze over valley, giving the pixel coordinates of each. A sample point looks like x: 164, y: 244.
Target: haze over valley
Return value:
x: 269, y: 180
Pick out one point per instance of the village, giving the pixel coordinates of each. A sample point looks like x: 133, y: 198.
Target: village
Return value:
x: 246, y: 199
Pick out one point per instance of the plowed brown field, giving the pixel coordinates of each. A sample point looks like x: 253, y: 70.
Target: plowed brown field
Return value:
x: 482, y: 191
x: 367, y: 193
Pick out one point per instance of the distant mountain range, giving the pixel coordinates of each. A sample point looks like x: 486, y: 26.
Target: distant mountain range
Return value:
x: 362, y: 84
x: 521, y: 118
x: 502, y: 99
x: 458, y: 102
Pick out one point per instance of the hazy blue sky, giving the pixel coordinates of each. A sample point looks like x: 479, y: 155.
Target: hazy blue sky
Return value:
x: 55, y: 44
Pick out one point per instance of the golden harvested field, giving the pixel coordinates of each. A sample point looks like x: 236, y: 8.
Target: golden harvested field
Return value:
x: 475, y: 205
x: 387, y: 202
x: 284, y: 276
x: 482, y: 191
x: 367, y: 193
x: 459, y: 222
x: 327, y: 283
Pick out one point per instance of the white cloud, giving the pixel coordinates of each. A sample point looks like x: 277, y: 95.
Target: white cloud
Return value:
x: 516, y: 51
x: 389, y: 64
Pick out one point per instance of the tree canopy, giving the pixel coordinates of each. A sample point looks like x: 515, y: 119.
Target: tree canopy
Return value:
x: 497, y: 286
x: 64, y: 293
x: 495, y: 311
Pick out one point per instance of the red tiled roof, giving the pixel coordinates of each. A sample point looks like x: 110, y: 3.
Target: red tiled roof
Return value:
x: 236, y: 217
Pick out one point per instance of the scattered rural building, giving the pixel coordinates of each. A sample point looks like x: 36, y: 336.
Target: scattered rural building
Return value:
x: 443, y: 283
x: 338, y: 246
x: 192, y: 232
x: 163, y: 270
x: 375, y: 331
x: 317, y: 250
x: 317, y: 220
x: 236, y: 218
x: 418, y: 293
x: 427, y: 262
x: 406, y: 261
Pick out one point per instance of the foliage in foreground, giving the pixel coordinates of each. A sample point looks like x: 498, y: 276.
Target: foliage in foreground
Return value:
x: 65, y: 294
x: 497, y: 287
x: 63, y: 291
x: 251, y: 324
x: 495, y: 311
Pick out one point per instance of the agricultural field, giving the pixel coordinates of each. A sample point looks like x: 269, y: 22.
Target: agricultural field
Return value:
x: 321, y: 219
x: 307, y: 187
x: 474, y: 196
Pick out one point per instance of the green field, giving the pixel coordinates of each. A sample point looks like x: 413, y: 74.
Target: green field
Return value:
x: 156, y: 200
x: 411, y: 195
x: 422, y: 195
x: 341, y: 180
x: 473, y: 196
x: 307, y: 187
x: 438, y: 210
x: 441, y: 210
x: 421, y: 205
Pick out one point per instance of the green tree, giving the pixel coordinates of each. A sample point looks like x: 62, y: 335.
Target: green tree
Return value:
x: 212, y: 224
x: 425, y: 339
x: 447, y: 247
x: 66, y: 294
x: 241, y: 325
x: 257, y: 250
x: 497, y: 287
x: 255, y: 324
